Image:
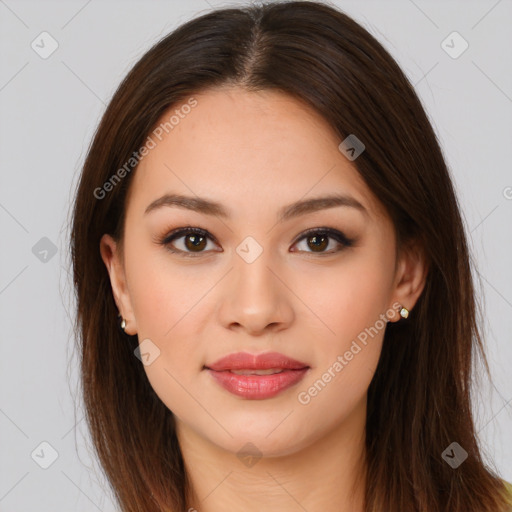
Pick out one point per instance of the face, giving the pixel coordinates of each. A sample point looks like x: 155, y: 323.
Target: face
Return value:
x: 313, y: 283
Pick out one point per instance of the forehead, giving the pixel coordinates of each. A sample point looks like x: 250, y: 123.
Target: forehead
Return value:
x: 247, y: 149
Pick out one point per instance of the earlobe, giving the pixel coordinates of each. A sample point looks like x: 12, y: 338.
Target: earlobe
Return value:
x: 111, y: 258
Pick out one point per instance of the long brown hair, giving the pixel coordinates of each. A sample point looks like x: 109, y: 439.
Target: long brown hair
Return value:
x: 419, y: 401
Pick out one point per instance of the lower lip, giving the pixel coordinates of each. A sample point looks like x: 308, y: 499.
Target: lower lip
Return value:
x: 258, y: 387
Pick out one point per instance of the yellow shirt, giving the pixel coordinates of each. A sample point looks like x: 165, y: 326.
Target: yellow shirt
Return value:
x: 509, y: 489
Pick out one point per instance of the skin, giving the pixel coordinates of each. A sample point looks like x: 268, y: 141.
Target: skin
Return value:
x: 255, y: 153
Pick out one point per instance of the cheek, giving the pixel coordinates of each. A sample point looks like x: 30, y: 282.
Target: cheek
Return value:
x: 165, y: 306
x: 163, y: 294
x: 169, y: 308
x: 347, y: 298
x: 351, y: 302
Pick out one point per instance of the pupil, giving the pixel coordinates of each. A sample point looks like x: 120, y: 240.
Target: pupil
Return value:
x: 317, y: 243
x: 195, y: 241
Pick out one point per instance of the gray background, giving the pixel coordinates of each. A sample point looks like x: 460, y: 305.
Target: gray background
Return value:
x: 49, y: 109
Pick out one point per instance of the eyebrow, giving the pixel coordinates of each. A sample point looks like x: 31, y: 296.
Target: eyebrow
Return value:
x: 301, y: 207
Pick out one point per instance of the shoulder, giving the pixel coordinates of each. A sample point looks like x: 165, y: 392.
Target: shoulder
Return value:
x: 508, y: 486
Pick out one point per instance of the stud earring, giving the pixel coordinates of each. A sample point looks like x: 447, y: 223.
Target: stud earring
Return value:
x: 123, y: 322
x: 404, y: 312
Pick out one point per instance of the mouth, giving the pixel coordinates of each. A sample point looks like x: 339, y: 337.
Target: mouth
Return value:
x: 257, y: 376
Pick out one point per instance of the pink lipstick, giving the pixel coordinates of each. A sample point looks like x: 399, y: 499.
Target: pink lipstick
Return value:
x: 257, y: 376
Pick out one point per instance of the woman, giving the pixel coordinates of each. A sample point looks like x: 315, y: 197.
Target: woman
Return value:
x: 267, y: 209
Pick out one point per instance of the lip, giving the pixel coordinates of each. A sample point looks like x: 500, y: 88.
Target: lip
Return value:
x: 246, y: 361
x: 257, y: 387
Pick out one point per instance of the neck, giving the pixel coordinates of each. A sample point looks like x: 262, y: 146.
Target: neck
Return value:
x: 325, y: 475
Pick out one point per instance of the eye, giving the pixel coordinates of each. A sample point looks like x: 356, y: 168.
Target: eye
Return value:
x: 318, y: 240
x: 193, y: 241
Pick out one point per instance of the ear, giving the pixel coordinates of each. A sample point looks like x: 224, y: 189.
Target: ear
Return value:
x: 111, y: 256
x: 410, y: 278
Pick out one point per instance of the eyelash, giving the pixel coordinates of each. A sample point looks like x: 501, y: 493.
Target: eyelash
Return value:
x: 180, y: 232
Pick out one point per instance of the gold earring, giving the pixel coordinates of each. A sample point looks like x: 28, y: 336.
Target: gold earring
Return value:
x: 404, y: 312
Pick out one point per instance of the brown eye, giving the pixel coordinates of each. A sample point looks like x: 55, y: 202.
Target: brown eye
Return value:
x: 187, y: 241
x: 318, y: 243
x: 194, y: 242
x: 318, y: 239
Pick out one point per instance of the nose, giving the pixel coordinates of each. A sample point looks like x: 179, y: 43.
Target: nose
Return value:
x: 256, y: 299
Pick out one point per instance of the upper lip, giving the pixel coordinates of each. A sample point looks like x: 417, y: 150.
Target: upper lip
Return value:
x: 246, y: 361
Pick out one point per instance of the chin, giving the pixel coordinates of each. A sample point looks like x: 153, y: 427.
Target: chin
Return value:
x: 261, y: 438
